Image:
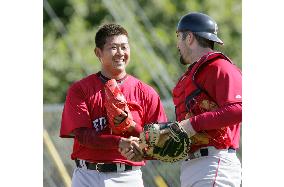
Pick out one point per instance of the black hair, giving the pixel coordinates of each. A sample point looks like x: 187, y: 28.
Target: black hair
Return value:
x: 203, y: 42
x: 108, y: 30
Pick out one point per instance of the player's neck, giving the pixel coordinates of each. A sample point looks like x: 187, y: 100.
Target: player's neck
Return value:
x: 200, y: 52
x: 118, y: 76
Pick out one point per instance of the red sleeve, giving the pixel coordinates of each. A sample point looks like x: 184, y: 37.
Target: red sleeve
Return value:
x: 92, y: 139
x: 224, y: 116
x: 75, y: 113
x: 223, y: 82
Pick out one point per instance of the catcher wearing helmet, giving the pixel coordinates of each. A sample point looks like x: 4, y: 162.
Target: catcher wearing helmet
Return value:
x: 208, y: 103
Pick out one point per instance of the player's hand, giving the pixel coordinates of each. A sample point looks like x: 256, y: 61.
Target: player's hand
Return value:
x: 125, y: 143
x: 119, y: 119
x: 133, y: 153
x: 188, y: 127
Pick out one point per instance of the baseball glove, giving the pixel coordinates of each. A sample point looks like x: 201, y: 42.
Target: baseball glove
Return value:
x: 115, y: 104
x: 167, y: 142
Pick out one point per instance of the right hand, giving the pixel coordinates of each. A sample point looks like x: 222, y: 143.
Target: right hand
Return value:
x: 125, y: 143
x: 188, y: 127
x: 134, y: 153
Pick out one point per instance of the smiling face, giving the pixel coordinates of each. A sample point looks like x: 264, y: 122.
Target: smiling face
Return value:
x: 114, y: 56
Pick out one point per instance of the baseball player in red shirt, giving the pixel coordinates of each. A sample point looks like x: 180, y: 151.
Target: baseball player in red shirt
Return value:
x: 96, y: 148
x: 209, y: 96
x: 208, y: 103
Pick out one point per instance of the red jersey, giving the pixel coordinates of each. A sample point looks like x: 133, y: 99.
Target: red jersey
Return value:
x: 84, y: 107
x: 210, y: 95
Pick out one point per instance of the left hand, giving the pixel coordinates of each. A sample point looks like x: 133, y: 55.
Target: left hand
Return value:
x: 119, y: 119
x: 166, y: 141
x: 118, y: 113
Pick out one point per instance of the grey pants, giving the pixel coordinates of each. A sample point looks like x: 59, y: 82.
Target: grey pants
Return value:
x: 218, y: 169
x: 90, y: 178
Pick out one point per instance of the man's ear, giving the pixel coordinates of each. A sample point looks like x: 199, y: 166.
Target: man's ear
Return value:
x: 98, y: 53
x: 190, y: 38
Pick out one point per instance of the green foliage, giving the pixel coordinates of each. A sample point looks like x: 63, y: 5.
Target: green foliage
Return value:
x: 69, y: 44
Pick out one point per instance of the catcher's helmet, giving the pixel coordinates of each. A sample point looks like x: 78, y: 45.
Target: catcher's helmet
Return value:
x: 200, y: 24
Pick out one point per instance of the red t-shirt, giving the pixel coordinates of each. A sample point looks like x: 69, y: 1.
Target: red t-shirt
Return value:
x: 84, y: 107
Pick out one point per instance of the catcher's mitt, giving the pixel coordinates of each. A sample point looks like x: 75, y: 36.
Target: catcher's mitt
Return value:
x: 167, y: 142
x: 115, y: 104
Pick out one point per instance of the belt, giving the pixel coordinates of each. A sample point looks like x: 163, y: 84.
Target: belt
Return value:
x: 105, y: 167
x: 209, y: 151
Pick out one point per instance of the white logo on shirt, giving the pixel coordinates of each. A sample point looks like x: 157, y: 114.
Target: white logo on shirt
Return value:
x: 99, y: 123
x: 238, y: 97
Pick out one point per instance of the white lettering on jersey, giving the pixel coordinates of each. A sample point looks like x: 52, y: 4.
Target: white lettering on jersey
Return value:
x: 99, y: 123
